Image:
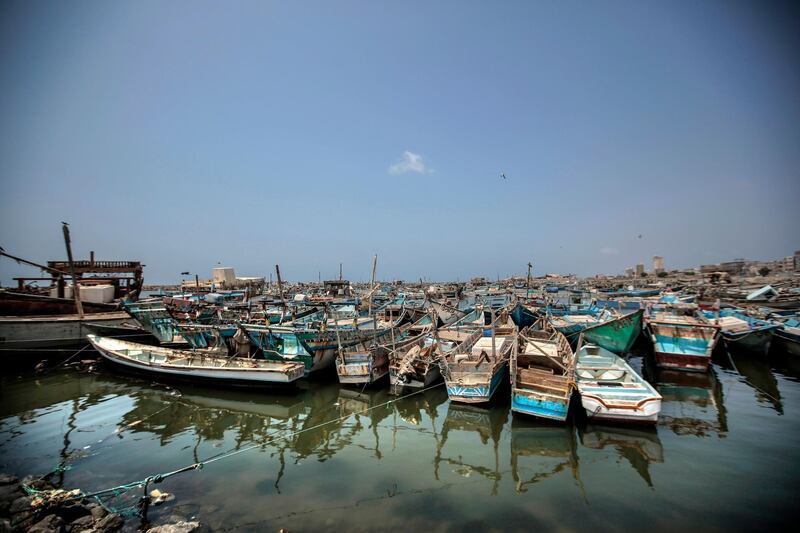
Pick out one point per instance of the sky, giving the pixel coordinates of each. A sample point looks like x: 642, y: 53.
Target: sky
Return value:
x: 192, y: 134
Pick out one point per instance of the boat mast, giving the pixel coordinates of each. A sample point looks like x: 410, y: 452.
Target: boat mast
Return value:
x: 75, y: 291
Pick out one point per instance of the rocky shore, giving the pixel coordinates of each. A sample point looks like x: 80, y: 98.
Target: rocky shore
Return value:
x: 34, y: 505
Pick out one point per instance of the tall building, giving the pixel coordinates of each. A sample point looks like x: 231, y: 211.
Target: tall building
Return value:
x: 658, y: 264
x: 639, y: 269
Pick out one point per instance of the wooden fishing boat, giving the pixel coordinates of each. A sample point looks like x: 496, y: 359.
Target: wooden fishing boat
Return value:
x: 680, y: 341
x: 788, y: 336
x: 414, y: 363
x: 474, y: 370
x: 610, y: 389
x: 739, y: 330
x: 315, y: 347
x: 571, y: 322
x: 523, y: 316
x: 186, y: 364
x: 368, y: 362
x: 43, y: 332
x: 542, y: 373
x: 617, y: 334
x: 154, y: 317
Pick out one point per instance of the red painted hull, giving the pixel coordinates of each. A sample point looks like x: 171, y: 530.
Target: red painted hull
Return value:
x: 689, y: 363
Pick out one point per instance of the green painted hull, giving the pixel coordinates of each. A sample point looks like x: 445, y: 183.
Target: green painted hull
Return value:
x: 616, y: 335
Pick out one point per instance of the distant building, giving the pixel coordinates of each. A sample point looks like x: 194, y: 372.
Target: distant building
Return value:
x: 786, y: 264
x: 658, y: 264
x: 797, y: 261
x: 639, y: 269
x: 735, y: 267
x: 223, y: 276
x: 628, y: 272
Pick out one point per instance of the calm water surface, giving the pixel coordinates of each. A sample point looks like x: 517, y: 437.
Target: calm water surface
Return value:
x: 723, y: 456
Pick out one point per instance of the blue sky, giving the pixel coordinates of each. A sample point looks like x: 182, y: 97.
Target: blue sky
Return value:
x: 187, y: 134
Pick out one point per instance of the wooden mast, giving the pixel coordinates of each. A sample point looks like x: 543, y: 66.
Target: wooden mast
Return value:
x: 75, y: 287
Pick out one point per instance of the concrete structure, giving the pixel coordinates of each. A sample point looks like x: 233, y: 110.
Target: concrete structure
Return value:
x: 735, y: 267
x: 639, y: 270
x: 223, y: 277
x: 658, y: 264
x: 628, y: 272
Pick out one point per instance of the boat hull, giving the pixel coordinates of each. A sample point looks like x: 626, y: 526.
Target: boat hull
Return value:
x: 688, y: 363
x: 757, y: 342
x: 789, y: 342
x: 416, y: 380
x: 281, y: 374
x: 532, y: 404
x: 368, y: 371
x: 616, y: 335
x: 629, y: 412
x: 51, y: 332
x: 476, y: 392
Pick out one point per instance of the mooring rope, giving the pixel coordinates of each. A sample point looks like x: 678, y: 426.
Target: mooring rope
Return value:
x: 119, y: 490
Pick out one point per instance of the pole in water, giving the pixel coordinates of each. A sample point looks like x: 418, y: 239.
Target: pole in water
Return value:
x: 75, y: 290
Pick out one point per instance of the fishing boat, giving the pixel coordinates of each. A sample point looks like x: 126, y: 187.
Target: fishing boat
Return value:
x: 788, y: 336
x: 44, y: 332
x: 154, y: 317
x: 681, y: 342
x: 740, y: 330
x: 611, y: 390
x: 542, y: 373
x: 315, y: 347
x: 572, y: 321
x: 474, y: 371
x: 186, y: 364
x: 368, y: 362
x: 523, y: 316
x: 617, y: 334
x: 415, y: 362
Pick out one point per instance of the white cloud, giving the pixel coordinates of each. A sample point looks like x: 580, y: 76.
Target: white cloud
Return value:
x: 607, y: 250
x: 410, y: 162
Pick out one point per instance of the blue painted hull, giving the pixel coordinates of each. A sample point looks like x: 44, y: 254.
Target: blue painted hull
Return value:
x: 477, y: 394
x: 549, y: 409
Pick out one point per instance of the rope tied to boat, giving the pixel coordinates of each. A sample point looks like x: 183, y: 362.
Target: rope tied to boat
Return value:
x: 140, y: 508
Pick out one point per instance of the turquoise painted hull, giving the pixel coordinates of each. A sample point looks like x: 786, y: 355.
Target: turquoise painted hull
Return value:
x: 616, y: 335
x: 540, y: 408
x: 476, y: 394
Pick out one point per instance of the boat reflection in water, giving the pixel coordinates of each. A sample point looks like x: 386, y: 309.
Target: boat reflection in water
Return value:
x: 485, y: 423
x: 757, y: 373
x: 543, y: 448
x: 692, y: 403
x: 640, y: 446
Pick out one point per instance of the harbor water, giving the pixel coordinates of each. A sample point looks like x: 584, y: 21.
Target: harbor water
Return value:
x: 723, y: 455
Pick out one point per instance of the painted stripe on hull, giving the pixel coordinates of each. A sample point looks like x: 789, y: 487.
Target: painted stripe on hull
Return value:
x: 553, y: 410
x: 476, y: 394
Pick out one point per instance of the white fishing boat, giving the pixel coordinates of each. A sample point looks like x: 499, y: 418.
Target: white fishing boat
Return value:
x: 196, y: 364
x: 611, y: 390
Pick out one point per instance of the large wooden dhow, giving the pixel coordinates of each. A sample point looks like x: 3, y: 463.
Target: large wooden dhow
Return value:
x: 195, y: 364
x: 610, y: 389
x: 474, y: 371
x: 542, y: 373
